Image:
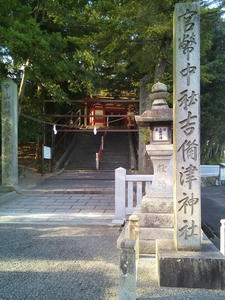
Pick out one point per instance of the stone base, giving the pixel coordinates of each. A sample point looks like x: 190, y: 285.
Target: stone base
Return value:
x: 149, y: 246
x: 155, y: 221
x: 8, y: 188
x: 155, y: 205
x: 203, y: 269
x: 156, y: 233
x: 158, y: 220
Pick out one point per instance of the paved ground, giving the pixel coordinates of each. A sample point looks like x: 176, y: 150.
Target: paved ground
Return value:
x: 54, y: 246
x: 51, y: 208
x: 82, y: 197
x: 75, y: 182
x: 213, y: 207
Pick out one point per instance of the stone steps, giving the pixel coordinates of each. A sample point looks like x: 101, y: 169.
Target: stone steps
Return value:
x: 148, y: 237
x: 152, y: 220
x: 156, y: 233
x: 83, y: 156
x: 116, y: 152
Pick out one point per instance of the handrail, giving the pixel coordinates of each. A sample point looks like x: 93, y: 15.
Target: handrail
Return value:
x: 129, y: 190
x: 99, y: 153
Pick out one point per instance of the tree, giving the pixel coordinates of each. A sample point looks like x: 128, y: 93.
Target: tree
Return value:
x: 45, y: 44
x: 212, y: 86
x: 68, y: 49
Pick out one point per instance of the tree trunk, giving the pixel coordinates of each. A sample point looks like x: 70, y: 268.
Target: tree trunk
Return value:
x: 22, y: 85
x: 145, y: 102
x: 144, y: 166
x: 161, y: 65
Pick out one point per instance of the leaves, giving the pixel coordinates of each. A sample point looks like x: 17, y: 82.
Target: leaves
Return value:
x: 212, y: 86
x: 78, y: 48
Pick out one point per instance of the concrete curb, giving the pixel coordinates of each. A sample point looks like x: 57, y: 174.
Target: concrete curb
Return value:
x: 65, y: 223
x: 66, y: 191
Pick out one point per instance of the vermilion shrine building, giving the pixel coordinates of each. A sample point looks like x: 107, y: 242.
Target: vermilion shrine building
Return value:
x: 102, y: 113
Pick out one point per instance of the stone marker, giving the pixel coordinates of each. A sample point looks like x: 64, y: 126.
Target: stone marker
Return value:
x: 192, y: 261
x: 9, y: 134
x: 127, y: 284
x: 187, y: 198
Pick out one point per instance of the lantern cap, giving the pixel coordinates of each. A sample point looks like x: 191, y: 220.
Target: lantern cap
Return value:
x: 160, y: 111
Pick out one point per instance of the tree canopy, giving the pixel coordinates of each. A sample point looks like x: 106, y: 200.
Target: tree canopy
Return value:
x: 67, y: 49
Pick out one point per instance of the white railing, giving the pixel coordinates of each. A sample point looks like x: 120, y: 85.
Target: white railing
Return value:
x: 129, y: 189
x: 209, y: 170
x: 126, y: 188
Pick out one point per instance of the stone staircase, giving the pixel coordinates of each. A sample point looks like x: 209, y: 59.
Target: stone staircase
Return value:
x: 114, y: 155
x: 116, y: 151
x: 83, y: 155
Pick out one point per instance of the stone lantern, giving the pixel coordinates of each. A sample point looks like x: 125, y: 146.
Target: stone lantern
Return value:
x: 159, y: 120
x: 156, y: 211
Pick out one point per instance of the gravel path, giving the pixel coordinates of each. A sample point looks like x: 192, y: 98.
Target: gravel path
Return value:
x: 58, y: 262
x: 74, y: 262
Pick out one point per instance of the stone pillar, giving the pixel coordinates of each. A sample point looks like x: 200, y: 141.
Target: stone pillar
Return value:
x: 134, y: 232
x: 9, y: 134
x: 127, y: 283
x: 162, y: 183
x: 187, y: 198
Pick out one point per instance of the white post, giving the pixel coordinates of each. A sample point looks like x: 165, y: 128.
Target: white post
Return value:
x: 221, y: 172
x: 97, y: 162
x: 222, y: 236
x: 102, y: 142
x: 120, y: 193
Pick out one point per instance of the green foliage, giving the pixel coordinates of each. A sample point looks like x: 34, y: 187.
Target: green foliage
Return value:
x: 69, y: 49
x: 53, y: 37
x: 212, y: 86
x: 145, y: 135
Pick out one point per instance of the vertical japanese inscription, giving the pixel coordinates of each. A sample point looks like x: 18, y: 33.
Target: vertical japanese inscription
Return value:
x: 186, y: 126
